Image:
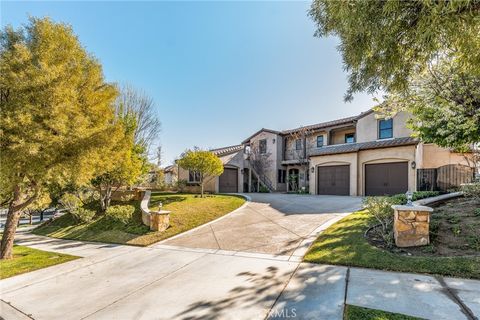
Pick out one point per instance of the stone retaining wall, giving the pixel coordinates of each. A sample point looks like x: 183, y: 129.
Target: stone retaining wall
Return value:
x: 155, y: 220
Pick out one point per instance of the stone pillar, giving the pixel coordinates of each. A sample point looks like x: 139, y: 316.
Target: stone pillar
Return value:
x: 411, y: 225
x: 159, y: 220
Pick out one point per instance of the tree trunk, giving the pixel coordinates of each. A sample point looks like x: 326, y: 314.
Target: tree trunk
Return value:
x: 13, y: 217
x: 105, y: 197
x: 30, y: 217
x: 201, y: 185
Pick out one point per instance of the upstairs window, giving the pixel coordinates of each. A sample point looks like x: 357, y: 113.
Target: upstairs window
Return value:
x: 298, y: 144
x: 350, y: 138
x: 319, y: 141
x: 193, y: 176
x: 262, y: 146
x: 385, y: 128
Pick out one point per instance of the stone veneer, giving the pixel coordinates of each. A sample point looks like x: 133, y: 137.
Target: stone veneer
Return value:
x: 411, y: 225
x: 156, y: 220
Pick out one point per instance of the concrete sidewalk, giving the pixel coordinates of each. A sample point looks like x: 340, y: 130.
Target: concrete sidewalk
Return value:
x: 124, y: 282
x: 320, y: 292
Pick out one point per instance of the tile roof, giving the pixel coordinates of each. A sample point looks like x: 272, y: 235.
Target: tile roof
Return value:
x: 261, y: 130
x: 227, y: 150
x: 323, y: 125
x: 169, y: 168
x: 355, y: 147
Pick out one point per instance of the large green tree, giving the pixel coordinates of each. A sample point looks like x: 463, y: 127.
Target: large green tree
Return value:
x: 205, y: 163
x: 57, y: 124
x: 130, y: 165
x: 445, y: 102
x: 385, y: 43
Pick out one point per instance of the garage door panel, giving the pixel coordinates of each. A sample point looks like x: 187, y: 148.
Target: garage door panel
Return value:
x: 333, y: 180
x: 228, y: 181
x: 386, y: 178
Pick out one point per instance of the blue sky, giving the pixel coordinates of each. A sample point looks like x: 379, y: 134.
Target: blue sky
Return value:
x: 218, y: 71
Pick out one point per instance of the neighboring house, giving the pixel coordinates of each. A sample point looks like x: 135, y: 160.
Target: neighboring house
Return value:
x: 170, y: 175
x: 229, y: 182
x: 359, y: 155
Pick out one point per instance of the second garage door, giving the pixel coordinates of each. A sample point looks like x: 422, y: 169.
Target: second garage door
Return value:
x: 386, y: 178
x: 228, y: 181
x: 333, y: 180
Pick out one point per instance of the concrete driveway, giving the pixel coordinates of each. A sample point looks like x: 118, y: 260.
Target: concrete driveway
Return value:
x: 275, y: 224
x: 223, y: 282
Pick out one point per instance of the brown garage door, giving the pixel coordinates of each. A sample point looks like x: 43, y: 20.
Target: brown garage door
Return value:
x: 228, y: 181
x: 386, y: 178
x: 333, y: 180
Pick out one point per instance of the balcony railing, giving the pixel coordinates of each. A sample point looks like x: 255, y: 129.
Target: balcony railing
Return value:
x: 298, y: 155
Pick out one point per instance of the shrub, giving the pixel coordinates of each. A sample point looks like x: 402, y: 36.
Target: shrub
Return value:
x: 263, y: 189
x: 417, y: 195
x: 121, y: 213
x: 471, y: 190
x: 381, y: 209
x: 181, y: 185
x: 82, y: 215
x: 70, y: 202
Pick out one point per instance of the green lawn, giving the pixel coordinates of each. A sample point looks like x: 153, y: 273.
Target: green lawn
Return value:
x: 344, y: 244
x: 188, y: 211
x: 359, y: 313
x: 27, y: 259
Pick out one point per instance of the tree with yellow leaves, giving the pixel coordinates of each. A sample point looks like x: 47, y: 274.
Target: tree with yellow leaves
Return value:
x: 57, y: 122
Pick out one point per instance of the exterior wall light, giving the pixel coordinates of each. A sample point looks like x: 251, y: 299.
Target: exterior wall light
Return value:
x: 414, y: 164
x: 312, y: 169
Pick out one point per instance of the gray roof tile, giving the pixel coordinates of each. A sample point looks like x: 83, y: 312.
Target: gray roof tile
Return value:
x: 355, y: 147
x: 227, y: 150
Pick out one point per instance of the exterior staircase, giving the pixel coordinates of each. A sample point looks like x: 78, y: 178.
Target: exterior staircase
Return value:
x: 263, y: 179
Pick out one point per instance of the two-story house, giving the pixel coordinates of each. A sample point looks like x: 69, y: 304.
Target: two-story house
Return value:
x: 359, y: 155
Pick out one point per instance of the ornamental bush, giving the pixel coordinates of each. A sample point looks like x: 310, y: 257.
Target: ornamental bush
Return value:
x: 83, y: 215
x: 70, y: 202
x: 381, y: 209
x: 120, y: 213
x: 471, y: 190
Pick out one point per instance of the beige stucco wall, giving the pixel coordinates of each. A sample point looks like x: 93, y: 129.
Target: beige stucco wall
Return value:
x: 274, y: 148
x: 311, y: 141
x: 170, y: 178
x: 357, y: 162
x: 432, y: 156
x: 367, y: 127
x: 338, y: 136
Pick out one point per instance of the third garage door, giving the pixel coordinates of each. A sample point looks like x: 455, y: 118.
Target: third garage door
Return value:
x: 386, y: 178
x: 333, y: 180
x: 228, y: 181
